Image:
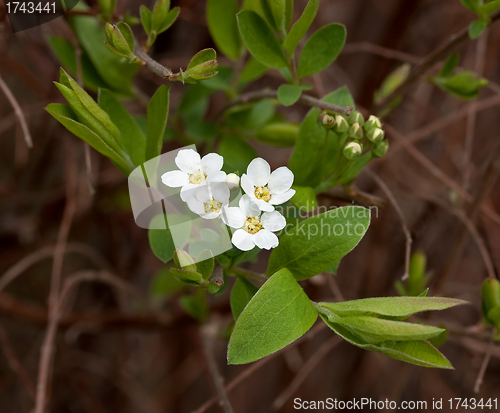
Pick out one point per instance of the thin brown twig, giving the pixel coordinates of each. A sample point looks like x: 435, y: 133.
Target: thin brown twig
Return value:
x: 14, y: 363
x: 484, y: 366
x: 436, y: 56
x: 208, y: 333
x: 381, y: 51
x: 401, y: 217
x: 257, y: 365
x: 152, y: 64
x: 62, y: 237
x: 304, y: 372
x: 18, y: 111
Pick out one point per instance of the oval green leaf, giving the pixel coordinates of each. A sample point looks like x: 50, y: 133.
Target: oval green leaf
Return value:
x: 222, y: 24
x: 301, y: 26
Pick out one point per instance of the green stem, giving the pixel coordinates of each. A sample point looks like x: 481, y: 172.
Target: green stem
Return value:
x: 249, y: 275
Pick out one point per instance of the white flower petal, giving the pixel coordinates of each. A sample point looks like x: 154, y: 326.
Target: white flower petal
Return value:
x: 249, y: 206
x: 211, y: 163
x: 203, y: 193
x: 195, y: 205
x: 259, y: 171
x: 243, y: 240
x: 273, y: 221
x: 210, y: 215
x: 263, y: 205
x: 233, y: 217
x: 175, y: 179
x: 247, y: 186
x: 220, y: 192
x: 264, y: 239
x: 188, y: 161
x: 280, y: 180
x: 189, y: 190
x: 277, y: 199
x: 217, y: 176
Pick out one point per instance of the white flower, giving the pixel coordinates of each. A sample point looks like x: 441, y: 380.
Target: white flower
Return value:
x: 232, y: 181
x: 254, y: 228
x: 194, y: 171
x: 209, y: 200
x: 265, y: 188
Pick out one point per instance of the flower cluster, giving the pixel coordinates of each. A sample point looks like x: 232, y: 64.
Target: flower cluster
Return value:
x: 206, y: 191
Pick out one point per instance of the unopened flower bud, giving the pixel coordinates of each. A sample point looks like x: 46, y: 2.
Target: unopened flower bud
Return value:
x: 371, y: 123
x: 352, y: 150
x: 379, y: 149
x: 355, y: 131
x: 490, y: 301
x: 375, y: 135
x: 183, y: 260
x: 341, y: 124
x: 327, y: 120
x: 120, y: 39
x: 356, y: 116
x: 232, y: 181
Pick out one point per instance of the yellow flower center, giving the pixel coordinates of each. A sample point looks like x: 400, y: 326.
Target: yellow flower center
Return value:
x: 197, y: 178
x: 212, y: 206
x: 252, y: 225
x: 263, y: 192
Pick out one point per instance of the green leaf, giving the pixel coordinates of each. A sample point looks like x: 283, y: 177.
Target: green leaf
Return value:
x: 145, y: 18
x: 450, y: 65
x: 195, y: 305
x: 126, y: 32
x: 134, y: 141
x: 316, y: 243
x: 420, y: 353
x: 160, y: 240
x: 250, y: 116
x: 203, y: 64
x: 392, y: 81
x: 241, y: 294
x: 471, y: 5
x: 190, y: 277
x: 373, y: 330
x: 289, y: 94
x: 169, y: 20
x: 477, y: 27
x: 304, y: 198
x: 281, y: 134
x: 65, y: 115
x: 321, y: 49
x: 301, y: 26
x: 253, y: 70
x: 307, y: 158
x: 164, y: 284
x: 278, y: 314
x: 205, y: 263
x: 237, y: 154
x: 260, y: 40
x: 488, y: 8
x: 390, y: 307
x: 464, y: 85
x: 159, y: 14
x: 222, y: 24
x: 157, y: 121
x: 277, y: 9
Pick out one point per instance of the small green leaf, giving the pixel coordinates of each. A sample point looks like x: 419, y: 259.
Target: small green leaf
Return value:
x: 278, y: 314
x: 464, y: 85
x: 187, y: 276
x: 420, y: 353
x: 289, y: 94
x: 205, y: 263
x: 195, y: 305
x: 477, y: 27
x: 145, y: 18
x: 277, y: 9
x: 221, y: 19
x: 390, y: 307
x: 471, y: 5
x: 301, y: 26
x: 241, y: 294
x: 126, y: 32
x: 488, y: 8
x: 159, y: 14
x: 169, y: 20
x: 281, y: 134
x: 157, y: 121
x: 164, y: 284
x: 260, y: 40
x: 450, y: 65
x: 304, y: 198
x: 321, y: 49
x: 134, y: 141
x: 373, y: 330
x: 203, y: 64
x: 392, y: 81
x: 160, y: 240
x: 316, y: 243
